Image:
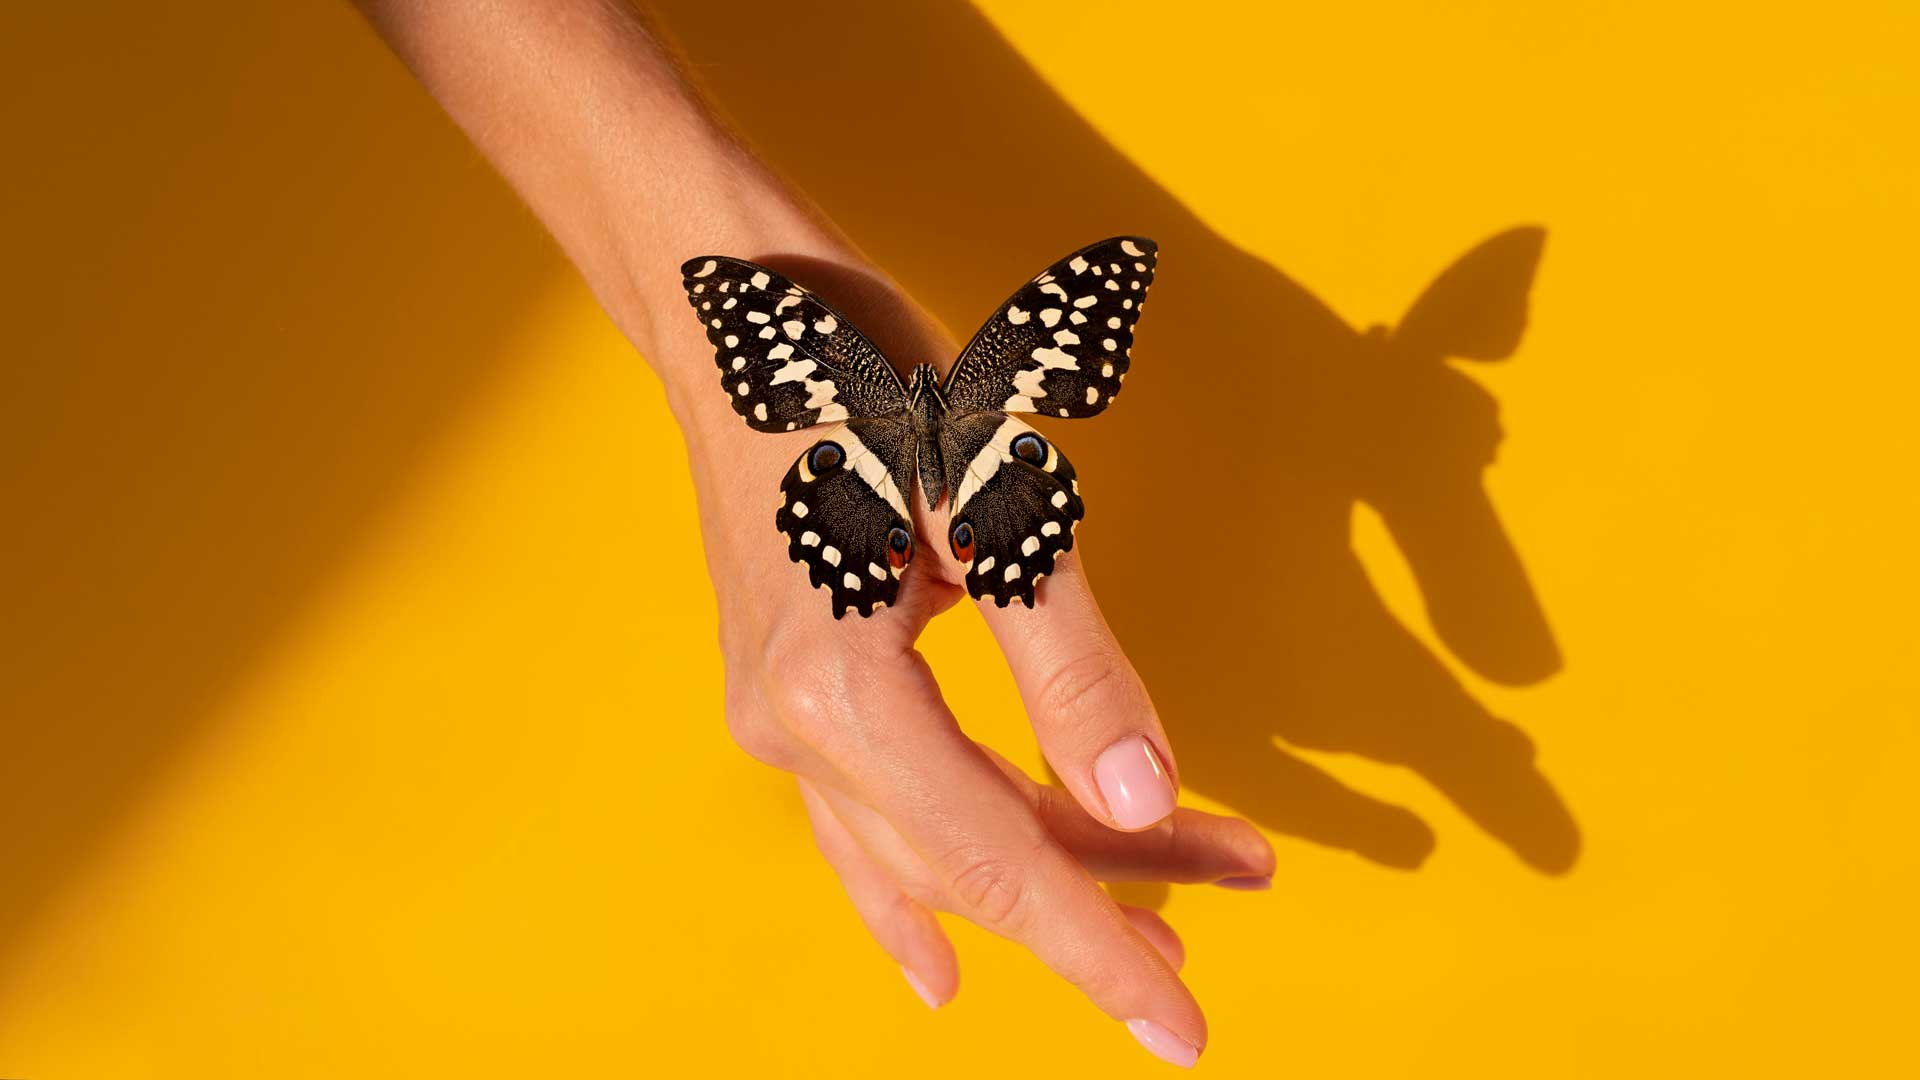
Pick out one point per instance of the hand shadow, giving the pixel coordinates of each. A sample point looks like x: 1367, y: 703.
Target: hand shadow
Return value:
x: 1221, y: 493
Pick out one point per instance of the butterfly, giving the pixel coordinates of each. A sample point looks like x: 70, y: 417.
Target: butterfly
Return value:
x: 1059, y: 346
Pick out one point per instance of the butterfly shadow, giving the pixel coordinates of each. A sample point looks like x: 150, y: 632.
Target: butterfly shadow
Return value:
x: 1222, y: 492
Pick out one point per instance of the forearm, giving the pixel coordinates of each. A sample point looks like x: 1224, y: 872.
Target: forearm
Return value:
x: 581, y: 106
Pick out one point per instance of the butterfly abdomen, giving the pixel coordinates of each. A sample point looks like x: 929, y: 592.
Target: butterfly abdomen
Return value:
x: 929, y: 411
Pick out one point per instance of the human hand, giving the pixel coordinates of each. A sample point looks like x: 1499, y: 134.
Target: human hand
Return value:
x: 914, y: 815
x: 582, y: 108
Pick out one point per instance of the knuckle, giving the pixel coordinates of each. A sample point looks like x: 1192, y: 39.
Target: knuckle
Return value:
x: 1075, y: 688
x: 754, y: 732
x: 994, y: 889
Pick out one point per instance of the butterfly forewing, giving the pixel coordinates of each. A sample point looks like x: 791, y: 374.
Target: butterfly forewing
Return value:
x: 786, y: 359
x: 1061, y: 344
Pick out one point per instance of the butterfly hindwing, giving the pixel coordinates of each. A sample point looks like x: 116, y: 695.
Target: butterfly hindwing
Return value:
x: 1015, y: 504
x: 843, y: 508
x: 786, y: 359
x: 1061, y: 344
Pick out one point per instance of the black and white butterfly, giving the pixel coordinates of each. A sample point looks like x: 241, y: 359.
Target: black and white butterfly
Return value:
x: 1058, y: 347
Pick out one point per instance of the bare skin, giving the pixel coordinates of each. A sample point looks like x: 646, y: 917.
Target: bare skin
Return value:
x: 582, y: 108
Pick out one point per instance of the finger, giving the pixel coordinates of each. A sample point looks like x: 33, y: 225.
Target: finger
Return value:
x: 1189, y: 846
x: 906, y: 930
x: 1158, y: 933
x: 991, y: 860
x: 1095, y: 723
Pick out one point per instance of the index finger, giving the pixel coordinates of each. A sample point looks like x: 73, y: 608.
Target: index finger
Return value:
x: 1091, y: 713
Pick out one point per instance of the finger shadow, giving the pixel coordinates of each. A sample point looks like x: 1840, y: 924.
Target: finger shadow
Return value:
x: 257, y: 299
x: 1221, y: 496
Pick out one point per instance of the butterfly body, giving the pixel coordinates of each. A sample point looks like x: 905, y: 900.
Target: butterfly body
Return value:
x: 1059, y: 346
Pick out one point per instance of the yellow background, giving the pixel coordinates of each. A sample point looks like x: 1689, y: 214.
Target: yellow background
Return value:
x: 358, y: 694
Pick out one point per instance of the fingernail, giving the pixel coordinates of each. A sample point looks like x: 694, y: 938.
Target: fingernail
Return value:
x: 1131, y: 779
x: 1248, y: 883
x: 1164, y: 1044
x: 919, y: 987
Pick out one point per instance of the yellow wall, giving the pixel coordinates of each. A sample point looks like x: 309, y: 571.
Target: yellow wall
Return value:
x: 357, y: 691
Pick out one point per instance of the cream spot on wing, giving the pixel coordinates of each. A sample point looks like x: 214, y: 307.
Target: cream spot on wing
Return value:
x: 1051, y: 528
x: 873, y: 472
x: 1109, y: 344
x: 706, y: 268
x: 1128, y: 304
x: 832, y: 414
x: 791, y: 424
x: 1078, y: 265
x: 812, y: 539
x: 1106, y: 370
x: 1049, y: 316
x: 986, y: 564
x: 766, y: 332
x: 1089, y: 300
x: 799, y: 509
x: 850, y: 581
x: 1063, y: 412
x: 794, y: 328
x: 1130, y: 284
x: 760, y: 279
x: 1131, y: 248
x: 1055, y: 289
x: 729, y: 305
x: 1113, y: 322
x: 826, y: 325
x: 1059, y: 499
x: 1065, y: 337
x: 1139, y: 268
x: 1016, y: 316
x: 706, y: 305
x: 739, y: 362
x: 793, y: 370
x: 1093, y: 395
x: 1013, y: 572
x: 831, y: 554
x: 758, y: 317
x: 741, y: 389
x: 785, y: 303
x: 1112, y: 284
x: 716, y: 324
x: 760, y: 412
x: 1076, y: 318
x: 879, y: 572
x: 1030, y: 545
x: 700, y: 288
x: 732, y: 340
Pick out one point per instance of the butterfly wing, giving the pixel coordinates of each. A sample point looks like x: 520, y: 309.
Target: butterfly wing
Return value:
x: 1015, y: 504
x: 786, y: 359
x: 843, y: 508
x: 1061, y: 344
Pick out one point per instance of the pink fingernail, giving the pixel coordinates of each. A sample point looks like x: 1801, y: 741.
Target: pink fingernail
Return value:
x: 1247, y: 883
x: 1164, y: 1044
x: 1131, y: 779
x: 919, y: 987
